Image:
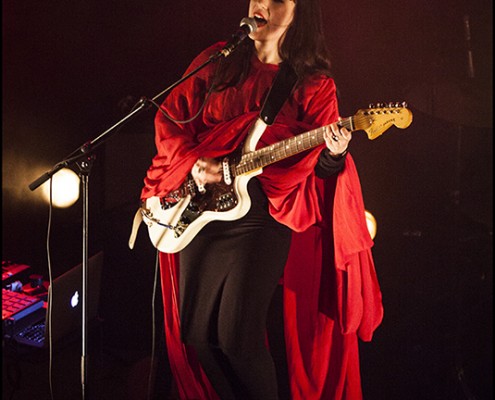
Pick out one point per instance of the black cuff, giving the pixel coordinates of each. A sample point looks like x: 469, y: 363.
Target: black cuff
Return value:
x: 328, y: 165
x: 339, y: 156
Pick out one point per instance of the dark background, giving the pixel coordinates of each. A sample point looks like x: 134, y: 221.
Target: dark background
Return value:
x: 71, y: 70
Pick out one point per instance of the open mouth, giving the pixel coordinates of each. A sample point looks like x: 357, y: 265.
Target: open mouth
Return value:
x: 260, y: 21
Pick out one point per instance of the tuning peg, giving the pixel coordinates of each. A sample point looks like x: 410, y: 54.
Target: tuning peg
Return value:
x: 371, y: 105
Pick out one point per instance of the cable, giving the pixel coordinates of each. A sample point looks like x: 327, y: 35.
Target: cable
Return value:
x: 49, y: 322
x: 159, y: 108
x: 153, y: 323
x: 187, y: 120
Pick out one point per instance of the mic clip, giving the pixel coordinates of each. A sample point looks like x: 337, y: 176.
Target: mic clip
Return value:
x: 247, y: 26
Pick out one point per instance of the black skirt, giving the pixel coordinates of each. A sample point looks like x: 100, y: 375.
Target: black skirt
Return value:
x: 228, y: 275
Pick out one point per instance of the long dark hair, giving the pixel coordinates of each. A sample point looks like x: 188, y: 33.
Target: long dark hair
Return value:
x: 303, y: 47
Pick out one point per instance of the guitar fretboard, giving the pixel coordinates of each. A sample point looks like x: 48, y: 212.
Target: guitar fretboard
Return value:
x: 285, y: 148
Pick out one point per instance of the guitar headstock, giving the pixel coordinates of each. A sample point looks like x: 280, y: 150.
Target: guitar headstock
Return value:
x: 378, y: 118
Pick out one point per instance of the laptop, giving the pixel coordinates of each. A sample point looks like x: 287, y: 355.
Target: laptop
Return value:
x: 66, y: 307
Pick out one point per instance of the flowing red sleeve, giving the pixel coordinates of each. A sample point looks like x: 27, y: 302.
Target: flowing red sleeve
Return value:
x: 331, y: 293
x: 179, y: 144
x: 331, y: 296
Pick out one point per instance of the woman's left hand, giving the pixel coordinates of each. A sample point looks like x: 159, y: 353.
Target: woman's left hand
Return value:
x: 337, y: 139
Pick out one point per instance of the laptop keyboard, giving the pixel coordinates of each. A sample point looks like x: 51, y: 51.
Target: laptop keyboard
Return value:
x: 34, y: 333
x: 17, y: 305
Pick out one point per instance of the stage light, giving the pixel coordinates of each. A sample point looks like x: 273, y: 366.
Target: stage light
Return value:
x: 65, y: 188
x: 371, y: 223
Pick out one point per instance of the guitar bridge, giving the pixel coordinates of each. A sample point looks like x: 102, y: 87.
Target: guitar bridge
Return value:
x: 171, y: 199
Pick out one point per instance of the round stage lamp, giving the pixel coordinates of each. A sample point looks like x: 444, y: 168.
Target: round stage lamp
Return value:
x: 371, y: 223
x: 65, y: 188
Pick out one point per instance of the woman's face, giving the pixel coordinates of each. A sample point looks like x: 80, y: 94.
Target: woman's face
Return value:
x: 273, y: 17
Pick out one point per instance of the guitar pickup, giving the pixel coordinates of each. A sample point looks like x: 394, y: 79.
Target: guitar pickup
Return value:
x: 227, y: 177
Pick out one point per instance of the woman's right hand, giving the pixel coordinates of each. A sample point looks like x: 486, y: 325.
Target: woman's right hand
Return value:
x: 206, y: 170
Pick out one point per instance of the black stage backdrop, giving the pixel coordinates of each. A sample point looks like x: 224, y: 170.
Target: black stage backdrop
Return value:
x: 71, y: 70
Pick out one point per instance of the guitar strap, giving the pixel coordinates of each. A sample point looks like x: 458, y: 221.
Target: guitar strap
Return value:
x: 279, y: 92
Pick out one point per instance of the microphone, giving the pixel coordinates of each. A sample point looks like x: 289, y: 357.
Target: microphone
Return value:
x: 246, y: 26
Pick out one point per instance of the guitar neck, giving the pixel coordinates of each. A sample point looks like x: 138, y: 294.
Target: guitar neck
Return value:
x: 286, y: 148
x: 374, y: 121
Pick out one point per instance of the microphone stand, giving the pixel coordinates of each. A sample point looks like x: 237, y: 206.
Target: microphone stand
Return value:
x: 83, y: 157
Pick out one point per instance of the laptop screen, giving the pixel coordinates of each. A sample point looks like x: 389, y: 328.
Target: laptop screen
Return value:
x: 65, y: 303
x: 67, y: 297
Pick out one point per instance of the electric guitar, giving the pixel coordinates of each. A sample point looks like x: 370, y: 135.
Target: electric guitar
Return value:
x: 175, y: 219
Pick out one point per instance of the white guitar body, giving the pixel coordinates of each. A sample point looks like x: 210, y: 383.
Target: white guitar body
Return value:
x: 174, y: 220
x: 165, y: 228
x: 165, y: 239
